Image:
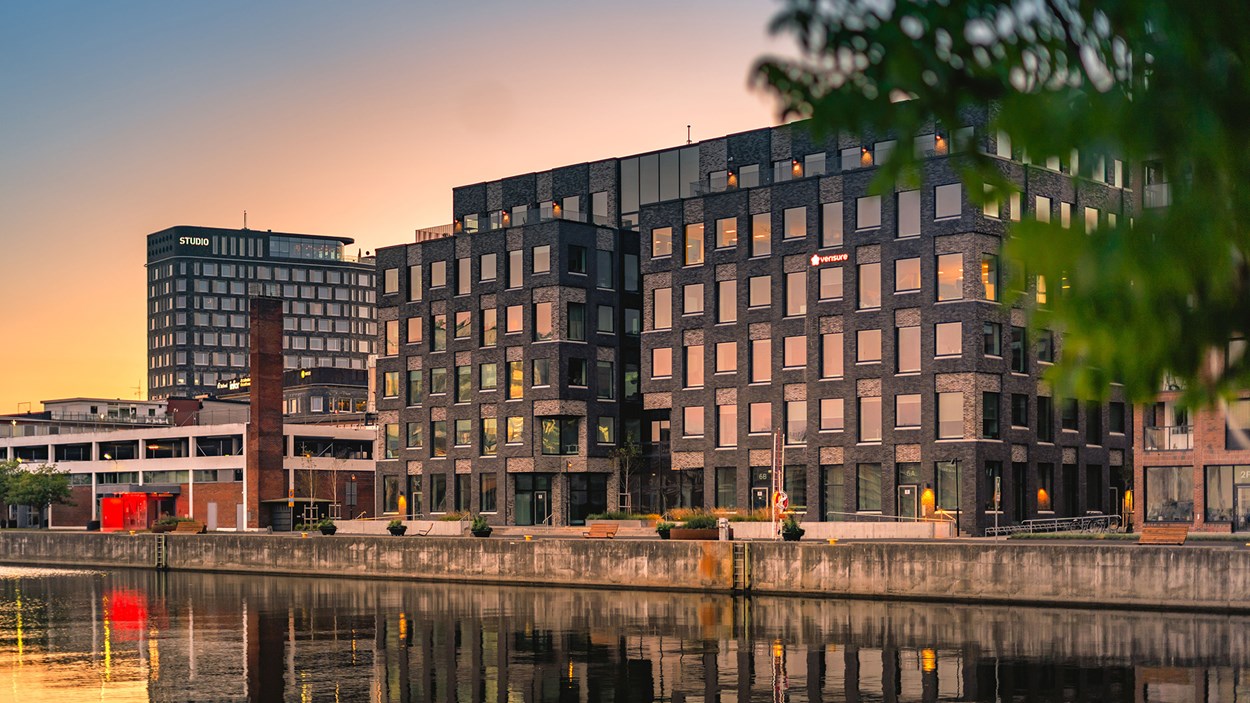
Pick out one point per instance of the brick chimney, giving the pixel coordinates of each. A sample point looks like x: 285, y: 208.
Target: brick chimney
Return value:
x: 263, y: 476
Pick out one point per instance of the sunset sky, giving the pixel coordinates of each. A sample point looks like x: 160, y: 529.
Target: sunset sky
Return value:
x: 125, y: 117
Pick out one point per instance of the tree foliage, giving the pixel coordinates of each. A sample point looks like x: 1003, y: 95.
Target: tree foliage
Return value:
x: 37, y: 487
x: 1163, y: 291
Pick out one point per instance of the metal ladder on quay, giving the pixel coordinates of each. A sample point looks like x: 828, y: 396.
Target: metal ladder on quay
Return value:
x: 741, y: 567
x: 162, y: 552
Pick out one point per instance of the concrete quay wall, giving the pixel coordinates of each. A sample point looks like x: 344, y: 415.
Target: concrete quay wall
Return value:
x: 1118, y: 575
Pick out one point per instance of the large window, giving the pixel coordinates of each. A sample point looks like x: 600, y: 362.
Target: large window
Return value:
x: 907, y: 411
x: 868, y: 212
x: 795, y: 223
x: 831, y: 355
x: 867, y: 346
x: 726, y: 425
x: 726, y: 357
x: 490, y: 436
x: 577, y: 321
x: 726, y: 487
x: 726, y: 232
x: 661, y: 242
x: 832, y: 492
x: 989, y: 276
x: 516, y: 377
x: 1219, y: 491
x: 950, y: 423
x: 992, y: 339
x: 692, y: 299
x: 661, y: 362
x: 906, y: 275
x: 831, y: 283
x: 831, y: 225
x: 761, y: 418
x: 832, y: 415
x: 869, y: 419
x: 868, y: 488
x: 761, y: 234
x: 488, y: 493
x: 869, y: 286
x: 759, y: 291
x: 727, y: 301
x: 1169, y: 493
x: 907, y: 348
x: 990, y: 404
x: 794, y: 352
x: 950, y: 277
x: 663, y: 308
x: 796, y: 293
x: 693, y: 366
x: 694, y: 245
x: 1237, y: 425
x: 796, y: 421
x: 909, y: 213
x: 692, y: 421
x: 559, y: 435
x: 948, y: 201
x: 438, y: 438
x: 392, y: 441
x: 948, y: 493
x: 1019, y: 353
x: 543, y: 327
x: 948, y: 339
x: 761, y: 360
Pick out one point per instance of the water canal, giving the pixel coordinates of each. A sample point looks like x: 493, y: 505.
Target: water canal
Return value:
x: 123, y: 636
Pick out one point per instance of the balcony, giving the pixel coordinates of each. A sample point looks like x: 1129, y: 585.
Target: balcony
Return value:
x: 1173, y: 438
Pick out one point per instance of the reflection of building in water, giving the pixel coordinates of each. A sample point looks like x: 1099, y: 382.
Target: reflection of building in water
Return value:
x: 193, y: 637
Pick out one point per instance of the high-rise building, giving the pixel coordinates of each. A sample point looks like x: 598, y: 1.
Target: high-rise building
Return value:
x: 199, y: 283
x: 774, y: 291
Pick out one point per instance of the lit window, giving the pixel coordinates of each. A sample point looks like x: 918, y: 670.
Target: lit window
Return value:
x: 950, y: 277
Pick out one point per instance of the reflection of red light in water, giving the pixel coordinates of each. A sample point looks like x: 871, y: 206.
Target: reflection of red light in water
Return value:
x: 128, y: 613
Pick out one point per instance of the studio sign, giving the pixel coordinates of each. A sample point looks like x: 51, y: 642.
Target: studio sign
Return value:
x: 821, y: 260
x: 194, y: 241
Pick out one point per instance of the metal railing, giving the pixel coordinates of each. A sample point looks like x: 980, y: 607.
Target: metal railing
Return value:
x: 1169, y: 438
x: 1087, y: 523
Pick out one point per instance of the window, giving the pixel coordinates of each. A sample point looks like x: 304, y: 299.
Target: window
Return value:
x: 906, y: 275
x: 726, y: 487
x: 488, y: 377
x: 513, y: 319
x: 1115, y: 418
x: 1041, y: 208
x: 727, y: 301
x: 391, y: 331
x: 948, y: 339
x: 661, y: 242
x: 438, y: 438
x: 868, y: 487
x: 869, y: 286
x: 869, y: 419
x: 694, y: 245
x: 1237, y: 424
x: 661, y: 362
x: 414, y: 434
x: 662, y: 304
x: 948, y: 201
x: 439, y: 325
x: 832, y: 415
x: 414, y: 387
x: 1069, y: 411
x: 692, y: 421
x: 660, y: 431
x: 392, y: 441
x: 726, y: 357
x: 989, y: 276
x: 761, y: 234
x: 541, y: 369
x: 831, y: 225
x: 390, y: 281
x: 814, y: 164
x: 438, y: 381
x: 488, y: 493
x: 726, y: 425
x: 542, y: 259
x: 633, y: 321
x: 558, y: 435
x: 1019, y: 410
x: 832, y: 491
x: 692, y: 299
x: 631, y: 272
x: 795, y: 223
x: 796, y: 293
x: 516, y: 430
x: 490, y: 327
x: 948, y: 493
x: 796, y: 421
x: 577, y: 321
x: 414, y: 282
x: 464, y: 322
x: 907, y: 348
x: 516, y: 382
x: 464, y: 276
x: 1169, y: 493
x: 761, y: 418
x: 831, y: 283
x: 464, y: 383
x: 577, y: 259
x: 907, y: 411
x: 1045, y: 419
x: 577, y: 372
x: 794, y: 352
x: 759, y: 291
x: 605, y: 380
x: 1091, y: 220
x: 1093, y: 422
x: 868, y: 346
x: 727, y: 232
x: 1065, y: 215
x: 989, y: 414
x: 761, y: 360
x: 516, y: 268
x: 950, y: 420
x: 1046, y: 346
x: 605, y: 430
x: 1219, y: 491
x: 604, y: 269
x: 795, y: 485
x: 605, y: 319
x: 992, y: 339
x: 909, y: 213
x: 831, y: 355
x: 489, y: 267
x: 1018, y: 357
x: 950, y: 277
x: 868, y: 212
x: 543, y: 330
x: 993, y: 205
x: 692, y: 366
x: 490, y: 436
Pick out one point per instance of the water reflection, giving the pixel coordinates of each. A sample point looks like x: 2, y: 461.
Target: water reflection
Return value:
x: 140, y: 636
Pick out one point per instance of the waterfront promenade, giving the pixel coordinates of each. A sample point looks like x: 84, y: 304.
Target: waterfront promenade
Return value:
x: 1116, y: 574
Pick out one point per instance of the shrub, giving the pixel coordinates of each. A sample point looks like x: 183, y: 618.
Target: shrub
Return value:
x: 616, y: 515
x: 453, y: 517
x: 663, y: 527
x: 395, y: 523
x: 700, y: 522
x: 479, y: 524
x: 790, y: 525
x: 761, y: 515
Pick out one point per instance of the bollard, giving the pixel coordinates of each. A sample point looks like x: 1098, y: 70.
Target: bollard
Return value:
x: 529, y: 538
x: 303, y: 535
x: 722, y: 527
x: 833, y: 540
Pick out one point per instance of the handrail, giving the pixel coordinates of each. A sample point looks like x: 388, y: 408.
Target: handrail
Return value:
x: 1085, y: 523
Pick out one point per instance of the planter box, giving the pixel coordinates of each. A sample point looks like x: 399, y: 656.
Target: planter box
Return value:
x: 683, y: 533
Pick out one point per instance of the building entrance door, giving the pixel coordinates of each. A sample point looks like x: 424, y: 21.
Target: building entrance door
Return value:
x: 908, y: 501
x: 1241, y: 509
x: 532, y: 499
x: 542, y: 507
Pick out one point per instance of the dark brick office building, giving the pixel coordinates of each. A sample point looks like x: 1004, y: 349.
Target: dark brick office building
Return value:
x: 199, y: 283
x: 776, y: 293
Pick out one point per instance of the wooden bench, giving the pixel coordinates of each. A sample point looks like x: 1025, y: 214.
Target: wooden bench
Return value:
x: 601, y: 531
x: 1163, y: 534
x: 189, y: 528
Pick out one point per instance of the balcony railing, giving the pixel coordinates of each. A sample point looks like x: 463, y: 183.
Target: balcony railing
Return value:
x: 1171, y: 438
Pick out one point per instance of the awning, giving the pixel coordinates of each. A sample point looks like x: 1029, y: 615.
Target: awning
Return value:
x: 110, y: 488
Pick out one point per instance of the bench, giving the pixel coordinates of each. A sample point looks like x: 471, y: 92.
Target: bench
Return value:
x: 600, y: 531
x: 1164, y: 534
x: 189, y: 528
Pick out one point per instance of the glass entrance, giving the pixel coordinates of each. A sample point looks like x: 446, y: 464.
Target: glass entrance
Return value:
x: 532, y: 499
x: 908, y: 501
x: 1242, y: 509
x: 588, y: 495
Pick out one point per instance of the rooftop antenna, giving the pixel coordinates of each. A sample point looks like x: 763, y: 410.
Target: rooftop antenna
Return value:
x: 687, y: 134
x: 245, y: 219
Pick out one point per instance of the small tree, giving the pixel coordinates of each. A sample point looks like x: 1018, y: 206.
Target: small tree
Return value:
x: 626, y: 454
x: 38, y: 488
